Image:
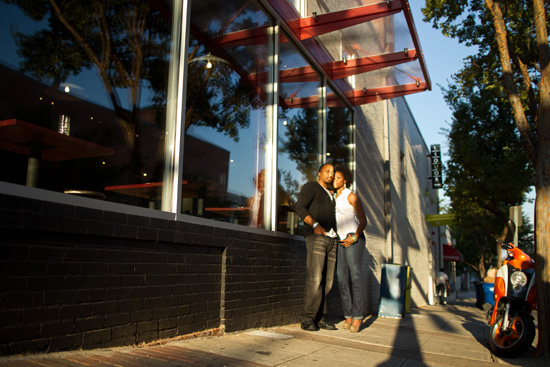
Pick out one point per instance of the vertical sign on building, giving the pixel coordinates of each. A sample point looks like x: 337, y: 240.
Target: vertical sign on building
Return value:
x: 435, y: 155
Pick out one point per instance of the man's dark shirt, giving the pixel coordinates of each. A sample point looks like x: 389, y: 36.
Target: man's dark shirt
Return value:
x: 315, y: 201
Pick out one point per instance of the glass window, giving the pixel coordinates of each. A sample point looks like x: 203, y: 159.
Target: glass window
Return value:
x: 300, y: 132
x: 226, y: 134
x: 340, y: 134
x: 84, y: 97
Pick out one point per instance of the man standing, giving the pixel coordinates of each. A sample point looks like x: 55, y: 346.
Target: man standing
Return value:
x: 316, y: 206
x: 442, y: 286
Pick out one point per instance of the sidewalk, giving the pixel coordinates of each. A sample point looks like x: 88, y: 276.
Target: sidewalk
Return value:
x: 452, y: 335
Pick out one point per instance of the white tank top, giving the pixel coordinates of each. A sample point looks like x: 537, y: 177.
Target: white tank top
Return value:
x: 346, y: 221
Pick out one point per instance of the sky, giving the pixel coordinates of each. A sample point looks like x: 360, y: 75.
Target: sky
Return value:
x: 444, y: 57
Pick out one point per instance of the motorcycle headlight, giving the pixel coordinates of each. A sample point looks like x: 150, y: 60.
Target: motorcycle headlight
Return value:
x: 518, y: 279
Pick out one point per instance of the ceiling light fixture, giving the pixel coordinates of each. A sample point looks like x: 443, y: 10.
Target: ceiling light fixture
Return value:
x: 209, y: 58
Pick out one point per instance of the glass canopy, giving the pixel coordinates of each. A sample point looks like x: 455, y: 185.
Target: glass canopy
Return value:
x: 368, y: 48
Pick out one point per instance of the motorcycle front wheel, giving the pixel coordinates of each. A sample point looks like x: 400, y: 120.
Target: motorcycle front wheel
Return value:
x: 514, y: 341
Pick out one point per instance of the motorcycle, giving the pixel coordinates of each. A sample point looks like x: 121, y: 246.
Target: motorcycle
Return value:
x: 512, y: 325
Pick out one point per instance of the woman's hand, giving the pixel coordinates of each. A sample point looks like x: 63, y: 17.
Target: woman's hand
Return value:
x: 348, y: 241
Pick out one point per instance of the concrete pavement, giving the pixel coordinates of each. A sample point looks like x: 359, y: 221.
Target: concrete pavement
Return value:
x: 452, y: 335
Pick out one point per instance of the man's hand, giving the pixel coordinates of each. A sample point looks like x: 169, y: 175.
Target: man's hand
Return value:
x: 319, y: 230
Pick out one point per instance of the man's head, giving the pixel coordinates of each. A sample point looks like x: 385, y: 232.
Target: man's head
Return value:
x: 326, y: 174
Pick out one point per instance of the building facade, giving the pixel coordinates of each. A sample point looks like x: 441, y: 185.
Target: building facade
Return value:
x: 152, y: 152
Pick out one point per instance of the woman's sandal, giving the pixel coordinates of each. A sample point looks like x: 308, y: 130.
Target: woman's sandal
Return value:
x: 354, y: 329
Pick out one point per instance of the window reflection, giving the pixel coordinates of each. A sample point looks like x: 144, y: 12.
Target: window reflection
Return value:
x: 225, y: 117
x: 104, y: 65
x: 300, y: 131
x: 340, y: 134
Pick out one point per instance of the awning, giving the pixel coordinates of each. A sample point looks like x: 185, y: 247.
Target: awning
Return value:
x: 371, y: 51
x: 451, y: 254
x: 376, y: 43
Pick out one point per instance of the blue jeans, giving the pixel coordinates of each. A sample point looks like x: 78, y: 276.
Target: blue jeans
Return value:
x: 320, y: 263
x: 350, y: 265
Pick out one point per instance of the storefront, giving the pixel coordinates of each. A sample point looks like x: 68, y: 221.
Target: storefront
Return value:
x: 183, y: 131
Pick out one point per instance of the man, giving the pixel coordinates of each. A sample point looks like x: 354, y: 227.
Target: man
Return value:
x: 316, y: 207
x: 442, y: 285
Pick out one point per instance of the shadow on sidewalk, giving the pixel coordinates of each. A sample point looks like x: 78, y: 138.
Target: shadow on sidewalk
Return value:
x: 398, y: 353
x: 457, y: 318
x: 474, y: 319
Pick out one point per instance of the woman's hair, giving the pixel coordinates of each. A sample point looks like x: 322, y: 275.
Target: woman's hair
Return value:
x: 346, y: 173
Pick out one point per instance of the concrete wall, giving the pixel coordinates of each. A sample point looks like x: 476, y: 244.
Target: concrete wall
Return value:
x: 407, y: 238
x: 412, y: 199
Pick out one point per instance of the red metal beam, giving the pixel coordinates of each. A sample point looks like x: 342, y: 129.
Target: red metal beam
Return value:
x: 304, y: 102
x: 361, y: 97
x: 326, y: 23
x: 341, y: 69
x: 416, y: 41
x: 254, y: 36
x: 313, y: 26
x: 297, y: 75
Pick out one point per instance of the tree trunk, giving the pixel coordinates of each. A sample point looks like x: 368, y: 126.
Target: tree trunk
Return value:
x: 542, y: 184
x: 509, y: 82
x: 539, y: 152
x: 542, y: 236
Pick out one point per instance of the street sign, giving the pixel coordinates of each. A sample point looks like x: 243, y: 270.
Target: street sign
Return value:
x: 437, y: 170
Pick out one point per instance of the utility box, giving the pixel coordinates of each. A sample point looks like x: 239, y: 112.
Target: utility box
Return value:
x: 394, y: 291
x: 488, y: 291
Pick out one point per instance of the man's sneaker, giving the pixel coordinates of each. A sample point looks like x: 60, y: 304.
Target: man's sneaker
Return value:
x: 323, y: 324
x: 309, y: 326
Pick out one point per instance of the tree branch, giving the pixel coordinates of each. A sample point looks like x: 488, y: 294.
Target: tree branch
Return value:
x: 519, y: 113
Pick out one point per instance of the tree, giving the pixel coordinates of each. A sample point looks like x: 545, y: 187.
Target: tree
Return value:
x: 512, y: 38
x: 487, y: 172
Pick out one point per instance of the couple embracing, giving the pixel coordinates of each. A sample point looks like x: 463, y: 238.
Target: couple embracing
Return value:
x: 334, y: 222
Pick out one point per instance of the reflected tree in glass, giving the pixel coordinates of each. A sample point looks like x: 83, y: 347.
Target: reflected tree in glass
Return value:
x: 300, y: 136
x: 127, y: 42
x: 217, y: 97
x: 339, y: 136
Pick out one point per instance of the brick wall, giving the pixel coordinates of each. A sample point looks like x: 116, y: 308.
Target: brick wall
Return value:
x: 73, y: 277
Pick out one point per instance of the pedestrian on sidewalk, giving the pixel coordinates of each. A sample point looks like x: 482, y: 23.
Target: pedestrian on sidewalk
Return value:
x: 350, y: 222
x: 442, y: 286
x: 316, y: 207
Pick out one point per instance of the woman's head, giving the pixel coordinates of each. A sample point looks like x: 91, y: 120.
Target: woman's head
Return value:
x: 342, y: 177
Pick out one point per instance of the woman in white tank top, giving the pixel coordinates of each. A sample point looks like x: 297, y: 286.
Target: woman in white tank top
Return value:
x: 351, y: 222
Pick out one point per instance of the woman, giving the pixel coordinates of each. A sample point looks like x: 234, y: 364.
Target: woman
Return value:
x: 350, y: 222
